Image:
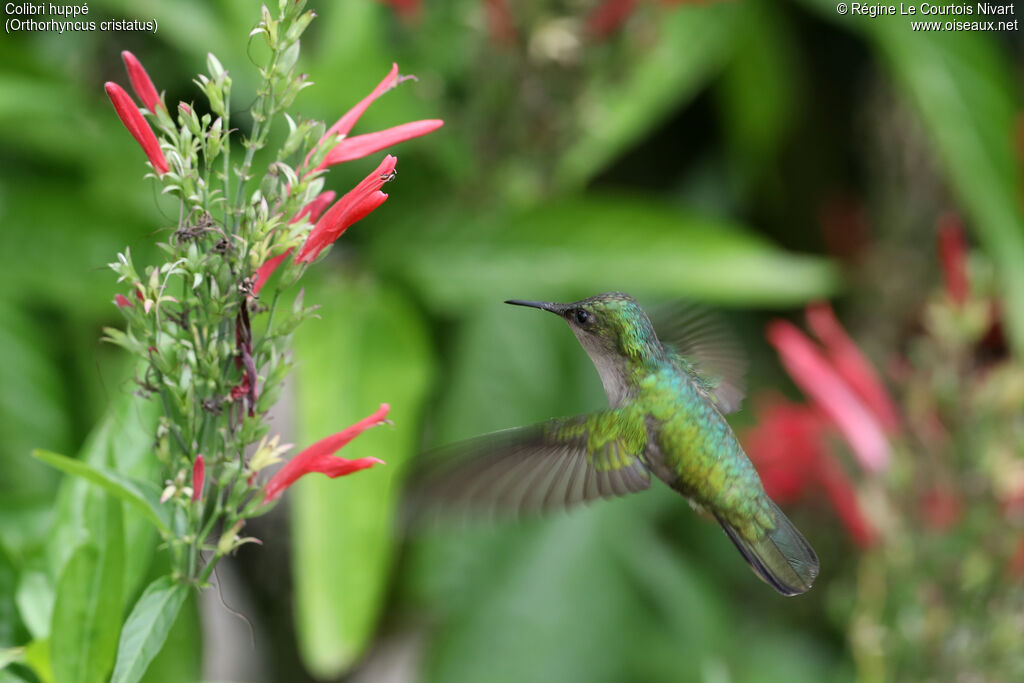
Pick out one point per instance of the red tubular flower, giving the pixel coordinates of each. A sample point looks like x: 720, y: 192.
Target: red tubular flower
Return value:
x: 137, y: 126
x: 354, y: 206
x: 788, y: 447
x: 264, y: 272
x: 310, y: 211
x: 852, y: 365
x: 198, y: 474
x: 314, y: 208
x: 343, y: 125
x: 320, y: 457
x: 364, y: 145
x: 813, y: 374
x: 122, y: 301
x: 953, y: 255
x: 141, y: 83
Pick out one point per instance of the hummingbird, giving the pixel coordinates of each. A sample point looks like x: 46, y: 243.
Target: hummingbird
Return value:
x: 665, y: 420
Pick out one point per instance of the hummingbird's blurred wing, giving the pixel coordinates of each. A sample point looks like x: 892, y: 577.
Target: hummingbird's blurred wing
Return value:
x: 706, y: 348
x: 552, y: 465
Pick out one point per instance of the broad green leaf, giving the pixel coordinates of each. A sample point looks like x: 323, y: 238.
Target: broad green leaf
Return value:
x: 181, y: 657
x: 143, y: 496
x: 579, y: 247
x: 122, y: 441
x: 617, y: 109
x: 35, y: 598
x: 147, y: 627
x: 87, y: 610
x: 369, y: 347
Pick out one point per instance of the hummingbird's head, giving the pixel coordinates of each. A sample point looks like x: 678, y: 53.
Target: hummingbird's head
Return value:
x: 607, y: 325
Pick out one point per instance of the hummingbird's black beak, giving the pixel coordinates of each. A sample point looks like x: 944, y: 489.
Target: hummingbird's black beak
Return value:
x: 542, y: 305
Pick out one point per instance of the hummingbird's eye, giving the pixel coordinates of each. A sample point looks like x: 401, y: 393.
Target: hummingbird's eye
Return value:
x: 582, y: 316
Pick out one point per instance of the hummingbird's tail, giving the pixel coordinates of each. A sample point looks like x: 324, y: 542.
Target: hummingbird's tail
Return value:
x: 782, y: 557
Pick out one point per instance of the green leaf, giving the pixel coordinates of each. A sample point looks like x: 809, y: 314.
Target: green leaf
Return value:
x: 35, y: 598
x: 618, y: 111
x: 370, y: 347
x: 181, y: 657
x: 147, y: 627
x: 141, y: 495
x: 87, y: 610
x: 582, y: 246
x: 123, y: 442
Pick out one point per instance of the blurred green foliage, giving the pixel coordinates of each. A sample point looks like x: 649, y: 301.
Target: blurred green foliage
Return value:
x: 687, y: 155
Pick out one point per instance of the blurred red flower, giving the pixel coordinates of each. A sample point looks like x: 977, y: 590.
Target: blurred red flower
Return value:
x: 791, y: 444
x: 953, y: 257
x: 852, y: 365
x: 790, y: 449
x: 608, y: 17
x: 832, y: 393
x: 940, y: 507
x: 501, y: 25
